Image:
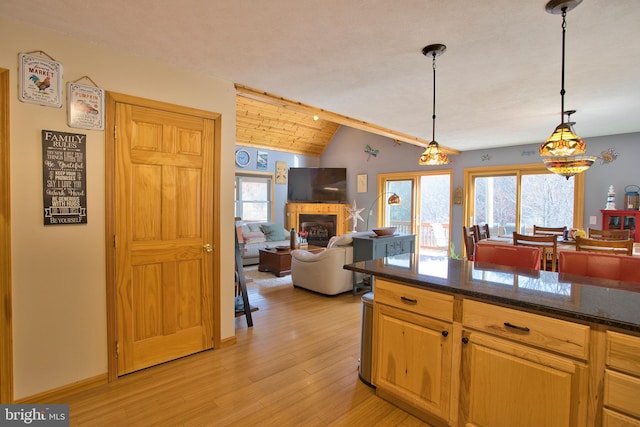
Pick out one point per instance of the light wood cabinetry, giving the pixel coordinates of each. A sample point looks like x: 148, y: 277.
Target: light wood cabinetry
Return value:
x: 621, y: 380
x: 413, y: 349
x: 452, y: 359
x: 512, y: 374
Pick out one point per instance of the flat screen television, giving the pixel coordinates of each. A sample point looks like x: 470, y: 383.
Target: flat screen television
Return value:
x: 317, y: 185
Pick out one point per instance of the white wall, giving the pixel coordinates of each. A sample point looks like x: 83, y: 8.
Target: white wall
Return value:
x: 59, y: 289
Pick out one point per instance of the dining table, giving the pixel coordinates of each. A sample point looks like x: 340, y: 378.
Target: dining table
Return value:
x: 563, y: 245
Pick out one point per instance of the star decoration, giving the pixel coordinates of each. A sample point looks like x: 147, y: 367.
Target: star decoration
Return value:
x: 354, y: 213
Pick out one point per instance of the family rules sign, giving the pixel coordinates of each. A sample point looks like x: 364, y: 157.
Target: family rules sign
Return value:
x: 64, y: 178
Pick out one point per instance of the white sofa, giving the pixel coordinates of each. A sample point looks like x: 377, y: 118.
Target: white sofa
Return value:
x: 260, y: 235
x: 322, y: 272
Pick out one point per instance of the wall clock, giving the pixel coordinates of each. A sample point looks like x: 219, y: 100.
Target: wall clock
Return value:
x: 243, y: 158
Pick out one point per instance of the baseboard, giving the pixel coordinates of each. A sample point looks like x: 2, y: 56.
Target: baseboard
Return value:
x: 58, y: 395
x: 228, y: 341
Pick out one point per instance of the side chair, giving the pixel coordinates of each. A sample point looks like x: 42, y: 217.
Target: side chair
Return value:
x: 620, y: 247
x: 556, y: 231
x: 548, y: 244
x: 470, y: 238
x: 482, y: 231
x: 608, y: 234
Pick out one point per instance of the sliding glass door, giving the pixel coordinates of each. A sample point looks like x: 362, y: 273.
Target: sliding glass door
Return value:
x: 425, y: 209
x: 514, y: 198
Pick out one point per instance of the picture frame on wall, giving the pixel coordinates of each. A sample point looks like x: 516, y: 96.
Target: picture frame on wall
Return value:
x: 362, y: 183
x: 85, y: 106
x: 39, y: 80
x: 282, y: 172
x: 262, y: 160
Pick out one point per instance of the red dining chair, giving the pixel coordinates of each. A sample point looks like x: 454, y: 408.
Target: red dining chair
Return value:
x: 516, y: 256
x: 606, y: 266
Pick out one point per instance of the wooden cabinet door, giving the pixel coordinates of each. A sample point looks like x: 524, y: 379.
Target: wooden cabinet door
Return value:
x: 504, y: 384
x: 413, y: 359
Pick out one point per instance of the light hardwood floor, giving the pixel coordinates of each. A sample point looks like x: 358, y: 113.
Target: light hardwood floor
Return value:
x: 297, y: 366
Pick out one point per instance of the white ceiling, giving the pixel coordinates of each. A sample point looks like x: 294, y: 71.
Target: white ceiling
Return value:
x: 497, y: 84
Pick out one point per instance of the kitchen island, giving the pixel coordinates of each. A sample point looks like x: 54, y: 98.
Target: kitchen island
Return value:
x: 462, y: 343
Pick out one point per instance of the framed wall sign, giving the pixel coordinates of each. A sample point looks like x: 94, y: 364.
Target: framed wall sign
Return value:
x: 282, y: 172
x: 85, y: 106
x: 362, y: 183
x: 39, y: 80
x: 64, y: 179
x: 262, y: 161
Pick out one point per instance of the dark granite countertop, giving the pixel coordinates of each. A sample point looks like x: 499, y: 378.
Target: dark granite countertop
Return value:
x: 587, y: 299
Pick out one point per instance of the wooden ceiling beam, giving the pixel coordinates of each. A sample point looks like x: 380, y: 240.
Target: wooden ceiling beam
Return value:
x: 288, y: 104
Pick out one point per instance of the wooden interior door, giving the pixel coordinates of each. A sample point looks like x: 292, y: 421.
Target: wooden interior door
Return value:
x: 163, y: 230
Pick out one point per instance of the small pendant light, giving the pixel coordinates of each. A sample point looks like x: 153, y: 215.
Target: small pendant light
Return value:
x: 433, y: 155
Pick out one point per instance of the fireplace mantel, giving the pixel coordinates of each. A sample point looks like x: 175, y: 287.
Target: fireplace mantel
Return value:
x: 338, y: 209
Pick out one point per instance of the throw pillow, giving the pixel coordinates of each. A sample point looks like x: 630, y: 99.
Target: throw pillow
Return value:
x: 274, y: 232
x: 253, y: 237
x: 254, y: 226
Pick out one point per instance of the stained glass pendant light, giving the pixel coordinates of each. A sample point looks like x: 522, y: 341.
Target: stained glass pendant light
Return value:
x: 563, y: 151
x: 433, y: 155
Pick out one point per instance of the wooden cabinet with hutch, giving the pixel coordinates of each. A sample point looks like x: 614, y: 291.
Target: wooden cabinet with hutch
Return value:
x: 621, y: 220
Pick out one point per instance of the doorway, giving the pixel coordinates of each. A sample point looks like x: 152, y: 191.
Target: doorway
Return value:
x: 161, y: 240
x: 425, y: 208
x: 6, y: 328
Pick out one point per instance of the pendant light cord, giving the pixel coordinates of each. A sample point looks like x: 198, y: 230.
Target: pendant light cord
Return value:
x: 562, y: 91
x: 433, y: 116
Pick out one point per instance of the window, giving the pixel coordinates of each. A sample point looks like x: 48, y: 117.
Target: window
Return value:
x: 254, y: 197
x: 514, y: 198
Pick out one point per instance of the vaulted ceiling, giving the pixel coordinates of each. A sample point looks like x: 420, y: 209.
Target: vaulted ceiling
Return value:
x: 498, y: 82
x: 263, y: 125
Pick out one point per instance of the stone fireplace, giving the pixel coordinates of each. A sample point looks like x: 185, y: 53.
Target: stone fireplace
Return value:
x: 320, y: 228
x: 321, y: 220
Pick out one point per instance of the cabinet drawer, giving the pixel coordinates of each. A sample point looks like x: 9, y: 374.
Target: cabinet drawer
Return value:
x: 564, y: 337
x: 613, y: 419
x: 398, y: 247
x: 623, y: 352
x: 621, y: 392
x: 420, y: 301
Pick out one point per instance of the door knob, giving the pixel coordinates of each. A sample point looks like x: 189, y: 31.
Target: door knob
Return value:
x: 207, y: 248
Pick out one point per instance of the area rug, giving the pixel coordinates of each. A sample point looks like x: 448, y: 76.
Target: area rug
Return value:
x: 264, y: 279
